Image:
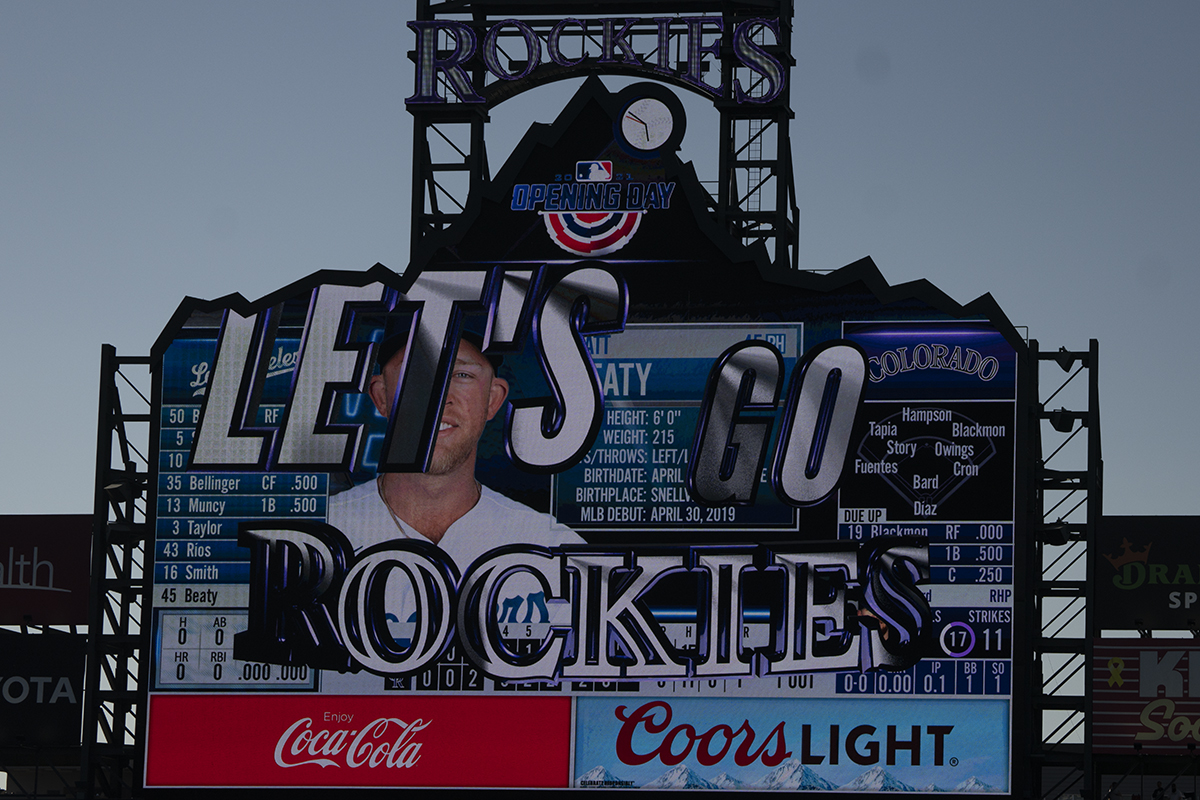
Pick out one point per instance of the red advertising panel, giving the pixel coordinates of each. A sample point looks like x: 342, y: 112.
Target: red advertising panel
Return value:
x: 1146, y: 693
x: 45, y: 564
x: 590, y: 474
x: 309, y: 740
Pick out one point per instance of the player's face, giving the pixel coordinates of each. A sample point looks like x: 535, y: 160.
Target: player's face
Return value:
x: 473, y: 396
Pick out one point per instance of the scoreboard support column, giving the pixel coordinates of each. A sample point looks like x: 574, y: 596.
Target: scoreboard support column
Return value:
x: 118, y: 621
x: 1065, y: 512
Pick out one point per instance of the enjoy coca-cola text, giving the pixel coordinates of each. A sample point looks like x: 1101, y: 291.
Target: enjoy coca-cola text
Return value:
x: 371, y: 746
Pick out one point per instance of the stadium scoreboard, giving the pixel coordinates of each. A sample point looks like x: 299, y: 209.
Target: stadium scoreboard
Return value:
x: 787, y: 508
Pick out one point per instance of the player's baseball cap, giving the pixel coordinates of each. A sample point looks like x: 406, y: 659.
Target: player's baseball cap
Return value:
x: 396, y: 342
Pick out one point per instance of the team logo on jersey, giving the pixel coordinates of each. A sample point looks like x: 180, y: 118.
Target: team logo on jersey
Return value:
x: 595, y: 211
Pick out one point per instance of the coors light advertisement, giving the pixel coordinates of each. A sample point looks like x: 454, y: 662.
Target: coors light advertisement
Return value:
x: 588, y: 496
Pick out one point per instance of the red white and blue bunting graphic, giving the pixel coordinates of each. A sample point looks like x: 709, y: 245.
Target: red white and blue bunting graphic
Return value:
x: 592, y: 233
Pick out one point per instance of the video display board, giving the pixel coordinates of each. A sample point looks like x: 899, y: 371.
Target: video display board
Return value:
x: 593, y: 494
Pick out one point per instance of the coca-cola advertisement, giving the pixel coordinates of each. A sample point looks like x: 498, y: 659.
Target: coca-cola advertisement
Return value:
x: 591, y: 491
x: 314, y: 741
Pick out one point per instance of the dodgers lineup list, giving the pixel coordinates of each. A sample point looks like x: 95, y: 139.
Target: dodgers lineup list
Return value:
x: 932, y: 456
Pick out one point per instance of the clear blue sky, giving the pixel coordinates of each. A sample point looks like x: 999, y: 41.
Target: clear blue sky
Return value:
x: 1044, y: 152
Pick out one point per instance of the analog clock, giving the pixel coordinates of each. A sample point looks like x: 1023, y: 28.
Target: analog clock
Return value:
x: 647, y: 123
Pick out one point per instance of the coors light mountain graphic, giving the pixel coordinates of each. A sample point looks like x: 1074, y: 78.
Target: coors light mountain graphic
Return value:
x: 791, y: 775
x: 973, y: 784
x: 680, y: 777
x: 600, y: 777
x: 877, y: 779
x: 727, y: 781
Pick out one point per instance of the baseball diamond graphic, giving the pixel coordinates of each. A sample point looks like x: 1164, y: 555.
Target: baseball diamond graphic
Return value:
x: 928, y: 455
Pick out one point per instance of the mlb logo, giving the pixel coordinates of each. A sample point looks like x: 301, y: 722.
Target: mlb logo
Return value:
x: 593, y: 170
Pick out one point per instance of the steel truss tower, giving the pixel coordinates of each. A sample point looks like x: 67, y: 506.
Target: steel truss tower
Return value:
x: 1067, y: 504
x: 119, y: 613
x: 755, y: 198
